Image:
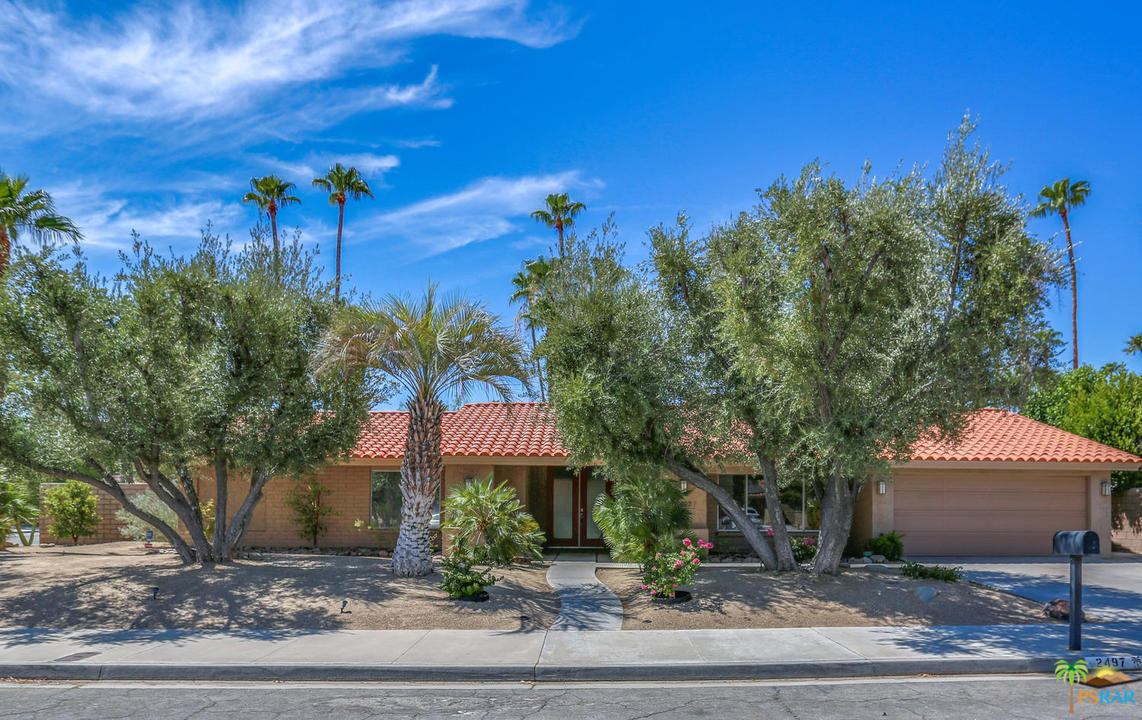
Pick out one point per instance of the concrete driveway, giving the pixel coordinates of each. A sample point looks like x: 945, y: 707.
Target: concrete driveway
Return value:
x: 1112, y: 589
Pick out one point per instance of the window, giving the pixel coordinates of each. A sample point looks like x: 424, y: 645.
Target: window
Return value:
x: 798, y: 507
x: 385, y: 503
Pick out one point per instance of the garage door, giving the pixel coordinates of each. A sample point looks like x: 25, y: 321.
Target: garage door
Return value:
x: 986, y: 514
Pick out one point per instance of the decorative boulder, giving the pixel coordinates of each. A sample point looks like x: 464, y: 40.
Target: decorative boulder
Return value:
x: 926, y: 593
x: 1060, y: 609
x: 877, y: 558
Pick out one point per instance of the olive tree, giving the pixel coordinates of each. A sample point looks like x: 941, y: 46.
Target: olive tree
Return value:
x: 180, y: 368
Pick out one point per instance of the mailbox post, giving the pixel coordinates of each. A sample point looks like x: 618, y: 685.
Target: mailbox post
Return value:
x: 1076, y: 543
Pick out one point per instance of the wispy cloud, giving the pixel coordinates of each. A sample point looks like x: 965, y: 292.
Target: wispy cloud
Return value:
x: 200, y: 60
x: 371, y: 165
x: 487, y: 208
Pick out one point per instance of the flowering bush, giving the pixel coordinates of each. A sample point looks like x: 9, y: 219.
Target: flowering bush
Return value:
x: 663, y: 573
x: 804, y: 548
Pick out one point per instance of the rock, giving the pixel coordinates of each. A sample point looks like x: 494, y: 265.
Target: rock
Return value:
x: 926, y: 593
x: 876, y: 558
x: 1060, y: 609
x: 383, y: 553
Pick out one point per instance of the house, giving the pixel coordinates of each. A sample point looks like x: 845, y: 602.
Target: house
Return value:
x: 1003, y: 490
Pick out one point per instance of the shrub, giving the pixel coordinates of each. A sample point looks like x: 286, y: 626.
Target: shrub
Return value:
x: 490, y: 524
x: 666, y: 571
x: 307, y: 501
x: 930, y: 572
x: 135, y: 528
x: 461, y: 578
x: 804, y: 548
x: 645, y: 514
x: 890, y: 545
x: 71, y: 509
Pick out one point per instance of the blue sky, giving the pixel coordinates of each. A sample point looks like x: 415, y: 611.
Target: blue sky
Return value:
x: 465, y: 113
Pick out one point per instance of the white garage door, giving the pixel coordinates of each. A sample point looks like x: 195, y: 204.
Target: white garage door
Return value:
x: 1001, y: 513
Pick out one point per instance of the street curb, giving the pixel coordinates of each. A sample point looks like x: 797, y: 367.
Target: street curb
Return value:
x: 523, y: 673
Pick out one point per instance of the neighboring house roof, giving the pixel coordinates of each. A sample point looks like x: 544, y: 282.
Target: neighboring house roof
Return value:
x: 521, y: 429
x: 1003, y: 436
x: 525, y: 430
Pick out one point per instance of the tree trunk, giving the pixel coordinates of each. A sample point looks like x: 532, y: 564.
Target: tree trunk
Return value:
x: 340, y: 224
x: 277, y: 254
x: 20, y: 533
x: 836, y: 522
x: 420, y: 474
x: 559, y: 227
x: 5, y: 250
x: 1074, y: 293
x: 221, y: 495
x: 784, y: 550
x: 750, y: 532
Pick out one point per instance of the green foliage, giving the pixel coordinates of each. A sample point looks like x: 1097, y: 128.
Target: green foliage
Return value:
x: 17, y: 508
x: 890, y: 545
x: 177, y: 364
x: 667, y: 570
x: 33, y: 211
x: 931, y: 572
x: 71, y: 509
x: 1103, y: 404
x: 461, y: 578
x: 804, y: 549
x: 307, y: 500
x: 645, y: 513
x: 135, y: 528
x: 490, y: 524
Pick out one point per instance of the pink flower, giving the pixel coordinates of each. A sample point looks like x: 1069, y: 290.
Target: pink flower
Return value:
x: 696, y: 560
x: 644, y: 587
x: 769, y: 531
x: 810, y: 541
x: 678, y: 563
x: 686, y: 542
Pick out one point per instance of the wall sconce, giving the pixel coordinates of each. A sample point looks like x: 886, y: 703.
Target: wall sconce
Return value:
x: 684, y: 486
x: 1106, y: 487
x: 881, y: 488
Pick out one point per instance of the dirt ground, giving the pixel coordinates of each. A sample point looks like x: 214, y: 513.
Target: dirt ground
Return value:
x: 743, y: 598
x: 110, y: 586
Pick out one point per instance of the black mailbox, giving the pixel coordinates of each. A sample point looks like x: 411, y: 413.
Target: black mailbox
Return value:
x: 1076, y: 542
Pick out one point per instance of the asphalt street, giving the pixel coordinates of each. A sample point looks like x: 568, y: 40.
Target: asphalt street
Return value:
x: 961, y: 698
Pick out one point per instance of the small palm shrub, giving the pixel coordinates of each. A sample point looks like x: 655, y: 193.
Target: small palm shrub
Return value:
x: 646, y: 513
x: 890, y: 545
x: 931, y: 572
x: 71, y: 509
x: 490, y: 523
x: 666, y: 571
x: 134, y: 528
x: 461, y: 578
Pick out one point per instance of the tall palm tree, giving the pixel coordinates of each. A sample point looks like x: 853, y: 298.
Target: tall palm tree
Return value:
x: 527, y: 283
x: 342, y: 183
x: 433, y: 347
x: 1059, y: 199
x: 270, y: 193
x: 32, y: 210
x: 1134, y: 345
x: 560, y: 213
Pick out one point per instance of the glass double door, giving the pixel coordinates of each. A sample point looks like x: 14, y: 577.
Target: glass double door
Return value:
x: 573, y: 496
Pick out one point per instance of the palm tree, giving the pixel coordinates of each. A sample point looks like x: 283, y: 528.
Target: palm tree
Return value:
x: 21, y: 209
x: 1134, y: 345
x: 527, y: 283
x: 432, y: 348
x: 560, y: 213
x: 269, y: 193
x: 1069, y: 672
x: 1060, y: 198
x: 16, y: 508
x: 342, y: 183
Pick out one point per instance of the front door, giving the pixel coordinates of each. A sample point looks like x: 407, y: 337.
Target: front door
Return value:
x: 573, y: 496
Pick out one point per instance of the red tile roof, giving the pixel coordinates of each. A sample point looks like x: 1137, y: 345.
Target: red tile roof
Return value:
x: 476, y: 429
x: 1003, y: 436
x: 525, y: 430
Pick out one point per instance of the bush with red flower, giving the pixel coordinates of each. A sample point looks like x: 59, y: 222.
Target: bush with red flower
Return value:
x: 666, y: 571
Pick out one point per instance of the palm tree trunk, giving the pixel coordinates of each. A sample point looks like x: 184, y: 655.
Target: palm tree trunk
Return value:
x: 340, y: 223
x: 277, y: 254
x: 420, y: 475
x: 5, y: 250
x: 559, y: 227
x: 1074, y: 294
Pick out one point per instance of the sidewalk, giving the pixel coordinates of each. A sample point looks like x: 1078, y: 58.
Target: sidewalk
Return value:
x: 555, y: 655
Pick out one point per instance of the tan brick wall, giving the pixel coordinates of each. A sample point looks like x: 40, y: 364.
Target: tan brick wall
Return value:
x: 106, y: 505
x: 1128, y: 519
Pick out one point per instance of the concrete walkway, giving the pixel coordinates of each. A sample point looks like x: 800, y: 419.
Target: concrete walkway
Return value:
x: 587, y: 604
x: 473, y: 655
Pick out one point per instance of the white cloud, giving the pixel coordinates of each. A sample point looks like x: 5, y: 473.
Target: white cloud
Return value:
x: 200, y: 60
x: 368, y: 163
x: 483, y: 210
x: 300, y: 172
